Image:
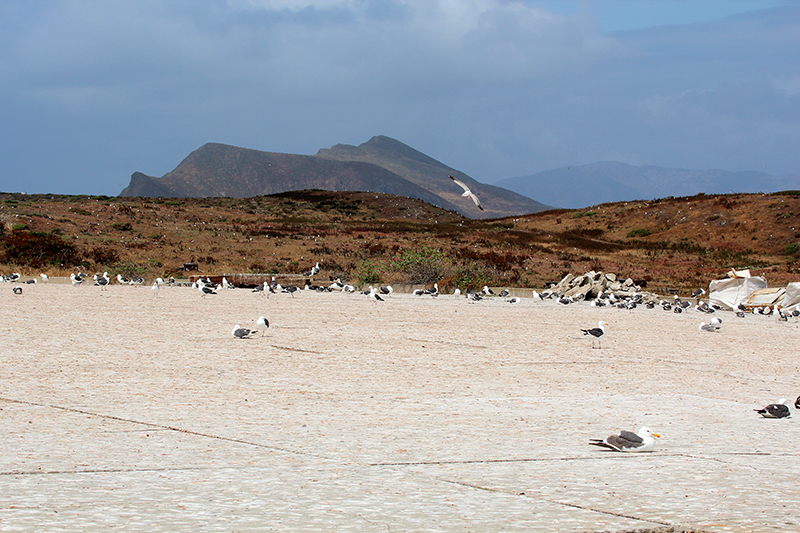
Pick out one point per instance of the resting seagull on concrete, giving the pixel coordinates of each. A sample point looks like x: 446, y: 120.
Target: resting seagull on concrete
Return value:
x: 775, y: 410
x: 102, y: 281
x: 627, y: 441
x: 242, y: 333
x: 468, y: 193
x: 708, y: 327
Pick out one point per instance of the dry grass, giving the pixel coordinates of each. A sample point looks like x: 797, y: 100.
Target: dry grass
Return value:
x: 673, y: 242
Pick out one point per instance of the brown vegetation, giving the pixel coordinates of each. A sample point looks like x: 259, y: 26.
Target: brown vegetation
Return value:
x: 381, y: 238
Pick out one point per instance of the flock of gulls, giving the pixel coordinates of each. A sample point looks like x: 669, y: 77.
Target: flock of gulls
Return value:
x: 625, y: 441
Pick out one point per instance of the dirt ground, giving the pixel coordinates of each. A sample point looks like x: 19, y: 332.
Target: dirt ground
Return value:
x: 122, y: 410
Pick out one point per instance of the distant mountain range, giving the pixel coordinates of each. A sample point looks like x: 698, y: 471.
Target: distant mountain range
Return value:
x: 610, y: 181
x: 381, y: 165
x: 386, y: 165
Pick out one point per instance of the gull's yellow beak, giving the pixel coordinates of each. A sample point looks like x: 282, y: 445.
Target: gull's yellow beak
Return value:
x: 656, y: 435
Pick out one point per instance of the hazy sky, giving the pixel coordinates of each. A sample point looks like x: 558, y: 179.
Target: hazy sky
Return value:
x: 91, y: 91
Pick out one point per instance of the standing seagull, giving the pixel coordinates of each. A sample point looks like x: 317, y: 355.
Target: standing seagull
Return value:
x: 627, y: 441
x: 204, y: 289
x: 262, y: 324
x: 373, y: 294
x: 597, y: 332
x: 468, y: 193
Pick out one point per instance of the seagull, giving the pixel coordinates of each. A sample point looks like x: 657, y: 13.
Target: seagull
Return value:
x: 262, y: 324
x: 487, y: 290
x: 102, y: 280
x: 468, y: 193
x: 313, y: 272
x: 373, y: 293
x: 775, y: 410
x: 155, y: 288
x: 474, y: 296
x: 597, y: 332
x: 708, y: 327
x: 504, y: 293
x: 204, y: 289
x: 514, y: 300
x: 628, y: 441
x: 75, y: 279
x: 698, y: 293
x: 291, y: 289
x: 17, y: 290
x: 386, y: 289
x: 242, y: 333
x: 44, y: 277
x: 797, y: 402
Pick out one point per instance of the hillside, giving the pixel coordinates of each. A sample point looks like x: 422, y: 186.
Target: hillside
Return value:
x: 611, y: 181
x: 380, y: 165
x: 381, y: 238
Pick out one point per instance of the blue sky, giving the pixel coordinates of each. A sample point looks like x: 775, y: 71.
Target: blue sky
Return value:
x: 93, y: 91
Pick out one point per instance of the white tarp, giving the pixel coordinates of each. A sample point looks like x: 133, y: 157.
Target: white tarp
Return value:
x: 736, y: 289
x: 791, y: 296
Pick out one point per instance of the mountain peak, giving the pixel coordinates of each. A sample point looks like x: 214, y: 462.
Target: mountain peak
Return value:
x: 388, y: 146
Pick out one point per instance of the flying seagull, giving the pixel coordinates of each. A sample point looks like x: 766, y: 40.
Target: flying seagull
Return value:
x: 468, y: 193
x: 627, y: 441
x: 775, y: 410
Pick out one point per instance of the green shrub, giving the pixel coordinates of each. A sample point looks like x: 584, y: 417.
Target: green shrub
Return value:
x: 641, y: 232
x: 421, y: 265
x: 369, y: 273
x: 791, y: 248
x: 122, y: 226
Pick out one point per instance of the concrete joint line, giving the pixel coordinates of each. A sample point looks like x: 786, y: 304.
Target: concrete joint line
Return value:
x: 154, y: 425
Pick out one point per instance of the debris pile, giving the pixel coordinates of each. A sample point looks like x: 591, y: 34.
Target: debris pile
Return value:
x: 589, y: 285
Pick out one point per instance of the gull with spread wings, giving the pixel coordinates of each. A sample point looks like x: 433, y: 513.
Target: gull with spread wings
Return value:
x: 468, y: 193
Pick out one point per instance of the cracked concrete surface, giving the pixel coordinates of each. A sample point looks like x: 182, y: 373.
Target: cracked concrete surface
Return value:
x: 124, y: 411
